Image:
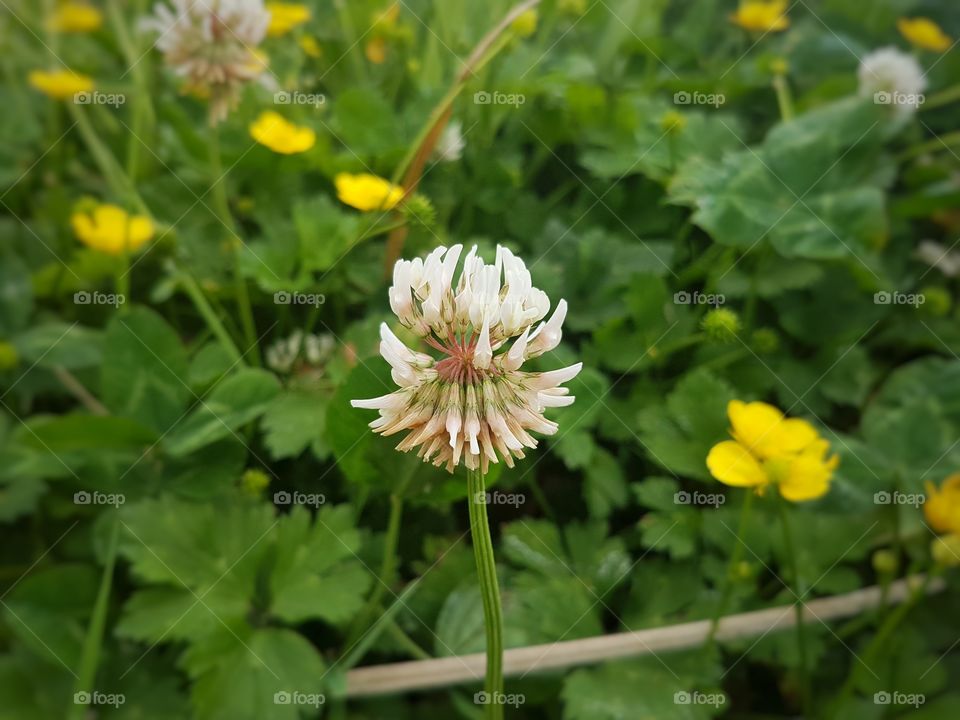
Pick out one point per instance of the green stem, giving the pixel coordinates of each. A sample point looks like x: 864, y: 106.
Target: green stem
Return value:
x: 388, y: 565
x: 941, y: 142
x: 119, y: 183
x: 213, y: 322
x: 784, y: 97
x: 798, y: 590
x: 891, y: 623
x: 489, y: 590
x: 239, y: 283
x: 735, y: 557
x: 90, y: 654
x: 406, y: 642
x: 142, y: 111
x: 350, y: 39
x: 944, y: 97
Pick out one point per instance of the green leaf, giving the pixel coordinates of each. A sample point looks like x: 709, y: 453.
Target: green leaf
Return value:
x: 679, y: 434
x: 604, y: 485
x: 89, y: 432
x: 317, y: 573
x: 232, y: 404
x: 54, y: 344
x: 811, y: 187
x: 242, y: 674
x: 16, y: 293
x: 144, y: 371
x: 293, y: 421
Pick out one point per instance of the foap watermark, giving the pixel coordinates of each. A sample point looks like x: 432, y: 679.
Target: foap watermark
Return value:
x: 696, y: 497
x: 896, y: 697
x: 499, y: 698
x: 298, y: 298
x: 83, y: 497
x: 698, y: 298
x: 699, y: 98
x: 682, y: 697
x: 485, y: 97
x: 898, y: 298
x: 299, y: 98
x: 295, y: 697
x: 898, y: 498
x: 95, y: 97
x: 83, y: 297
x: 913, y: 100
x: 499, y: 498
x: 95, y: 697
x: 314, y: 500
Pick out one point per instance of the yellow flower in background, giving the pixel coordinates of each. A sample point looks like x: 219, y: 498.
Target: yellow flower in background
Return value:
x: 526, y: 24
x: 367, y: 192
x: 942, y: 507
x: 770, y: 449
x: 280, y: 135
x: 284, y: 17
x: 762, y: 15
x: 942, y: 510
x: 75, y: 17
x: 384, y: 25
x: 109, y: 229
x: 924, y: 33
x: 310, y: 46
x: 376, y: 50
x: 60, y: 84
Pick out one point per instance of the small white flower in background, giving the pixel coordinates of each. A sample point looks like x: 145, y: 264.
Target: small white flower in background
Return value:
x: 212, y: 44
x: 473, y: 405
x: 896, y: 74
x: 936, y: 255
x: 451, y: 143
x: 282, y: 354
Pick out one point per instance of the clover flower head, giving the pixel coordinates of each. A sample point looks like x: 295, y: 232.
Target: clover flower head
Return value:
x: 770, y: 449
x: 889, y: 70
x: 212, y: 44
x: 473, y: 405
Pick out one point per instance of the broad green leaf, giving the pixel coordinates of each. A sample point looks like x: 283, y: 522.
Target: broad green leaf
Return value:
x: 232, y: 404
x: 144, y: 371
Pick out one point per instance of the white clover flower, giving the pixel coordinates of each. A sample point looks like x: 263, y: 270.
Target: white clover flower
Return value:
x: 473, y: 405
x: 451, y: 143
x: 212, y: 44
x: 283, y: 353
x: 893, y: 78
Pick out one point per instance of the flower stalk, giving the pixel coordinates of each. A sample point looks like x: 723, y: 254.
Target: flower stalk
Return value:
x: 798, y: 590
x: 489, y: 591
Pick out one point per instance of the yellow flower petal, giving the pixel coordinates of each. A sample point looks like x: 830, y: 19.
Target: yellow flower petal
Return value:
x: 60, y: 84
x: 942, y: 507
x: 284, y: 17
x: 762, y: 15
x: 376, y: 50
x: 274, y: 131
x: 924, y: 33
x: 109, y: 229
x: 75, y: 17
x: 367, y: 192
x: 732, y: 464
x: 763, y: 429
x: 806, y: 476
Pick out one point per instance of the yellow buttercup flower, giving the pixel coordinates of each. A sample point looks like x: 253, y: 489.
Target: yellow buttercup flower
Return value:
x: 75, y: 17
x: 762, y: 15
x: 924, y: 33
x: 280, y: 135
x: 60, y: 84
x: 942, y: 510
x: 942, y: 507
x: 376, y: 50
x: 310, y: 46
x: 769, y: 448
x: 367, y: 192
x: 110, y: 229
x: 284, y: 17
